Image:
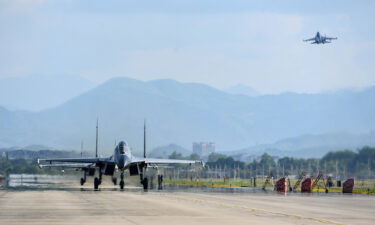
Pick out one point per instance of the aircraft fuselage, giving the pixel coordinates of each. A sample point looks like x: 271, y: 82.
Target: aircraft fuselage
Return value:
x: 122, y: 155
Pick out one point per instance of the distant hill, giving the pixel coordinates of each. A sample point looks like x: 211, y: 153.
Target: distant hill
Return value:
x: 307, y: 145
x: 30, y: 147
x: 242, y: 89
x: 182, y: 113
x: 38, y: 92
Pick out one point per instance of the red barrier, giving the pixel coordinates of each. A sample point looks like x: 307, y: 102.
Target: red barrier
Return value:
x: 348, y: 186
x: 306, y: 185
x: 280, y: 185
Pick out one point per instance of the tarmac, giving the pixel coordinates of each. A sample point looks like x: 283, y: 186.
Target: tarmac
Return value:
x: 134, y: 206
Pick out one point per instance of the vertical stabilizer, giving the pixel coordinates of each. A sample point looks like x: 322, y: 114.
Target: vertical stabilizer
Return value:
x: 96, y: 144
x: 144, y: 139
x: 81, y: 148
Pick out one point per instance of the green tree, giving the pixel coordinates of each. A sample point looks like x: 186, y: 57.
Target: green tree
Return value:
x: 194, y: 156
x: 213, y: 157
x: 176, y: 155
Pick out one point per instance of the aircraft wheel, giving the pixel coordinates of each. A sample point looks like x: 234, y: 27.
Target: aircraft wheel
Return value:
x: 96, y: 183
x: 114, y: 180
x: 82, y: 181
x: 122, y: 184
x: 145, y: 183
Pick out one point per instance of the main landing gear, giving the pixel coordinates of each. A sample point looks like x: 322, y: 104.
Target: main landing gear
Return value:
x: 83, y: 179
x: 143, y: 180
x: 114, y: 180
x: 98, y: 181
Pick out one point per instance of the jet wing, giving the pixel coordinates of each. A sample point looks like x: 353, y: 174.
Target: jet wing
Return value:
x: 170, y: 161
x: 68, y: 165
x: 331, y: 38
x: 311, y: 39
x: 79, y: 160
x: 164, y: 161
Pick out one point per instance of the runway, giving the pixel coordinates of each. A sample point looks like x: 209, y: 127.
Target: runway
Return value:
x: 133, y: 206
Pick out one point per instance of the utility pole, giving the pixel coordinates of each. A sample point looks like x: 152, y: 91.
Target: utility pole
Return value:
x: 292, y: 169
x: 277, y: 169
x: 239, y: 171
x: 309, y: 168
x: 369, y: 167
x: 263, y: 171
x: 325, y: 167
x: 144, y: 139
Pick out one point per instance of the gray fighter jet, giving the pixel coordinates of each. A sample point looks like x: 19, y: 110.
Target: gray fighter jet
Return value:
x: 320, y: 39
x: 121, y: 160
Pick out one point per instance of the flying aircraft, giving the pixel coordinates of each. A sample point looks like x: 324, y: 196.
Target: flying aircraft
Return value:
x: 320, y: 39
x: 121, y: 159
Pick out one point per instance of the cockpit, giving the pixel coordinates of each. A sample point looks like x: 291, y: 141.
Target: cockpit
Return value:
x: 122, y: 146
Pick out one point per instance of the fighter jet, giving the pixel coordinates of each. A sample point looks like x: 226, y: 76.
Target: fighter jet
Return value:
x: 121, y: 159
x: 320, y: 39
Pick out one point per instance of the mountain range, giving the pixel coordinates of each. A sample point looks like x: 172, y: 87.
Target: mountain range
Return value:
x: 306, y: 146
x: 182, y: 113
x: 241, y: 89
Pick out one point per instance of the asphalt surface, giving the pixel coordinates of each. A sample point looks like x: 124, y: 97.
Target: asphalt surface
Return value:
x: 134, y: 206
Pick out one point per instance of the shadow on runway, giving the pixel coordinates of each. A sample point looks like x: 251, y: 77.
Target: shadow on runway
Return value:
x: 70, y: 183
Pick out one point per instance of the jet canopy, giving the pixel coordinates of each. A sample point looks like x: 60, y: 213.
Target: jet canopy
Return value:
x: 123, y: 147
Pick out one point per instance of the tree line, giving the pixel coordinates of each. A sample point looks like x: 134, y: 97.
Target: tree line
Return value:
x: 344, y: 163
x: 24, y: 166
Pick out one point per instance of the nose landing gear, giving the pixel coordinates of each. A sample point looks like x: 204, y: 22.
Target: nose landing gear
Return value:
x: 143, y: 179
x: 160, y: 182
x: 114, y: 180
x: 83, y: 179
x: 98, y: 181
x: 122, y: 183
x: 144, y: 182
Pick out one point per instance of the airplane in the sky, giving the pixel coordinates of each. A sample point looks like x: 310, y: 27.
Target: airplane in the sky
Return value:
x: 122, y: 159
x: 320, y: 39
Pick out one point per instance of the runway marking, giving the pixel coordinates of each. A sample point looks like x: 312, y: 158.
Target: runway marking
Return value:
x: 257, y: 210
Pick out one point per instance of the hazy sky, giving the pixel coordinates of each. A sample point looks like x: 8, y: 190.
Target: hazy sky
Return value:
x: 219, y: 43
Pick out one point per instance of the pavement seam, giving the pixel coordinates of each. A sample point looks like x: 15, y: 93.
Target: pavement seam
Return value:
x: 258, y: 210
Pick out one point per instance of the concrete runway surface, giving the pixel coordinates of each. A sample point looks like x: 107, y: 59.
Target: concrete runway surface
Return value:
x: 164, y: 207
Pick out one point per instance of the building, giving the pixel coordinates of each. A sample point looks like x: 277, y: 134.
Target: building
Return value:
x: 203, y: 148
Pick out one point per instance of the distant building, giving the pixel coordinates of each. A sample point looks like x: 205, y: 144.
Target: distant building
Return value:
x: 203, y: 148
